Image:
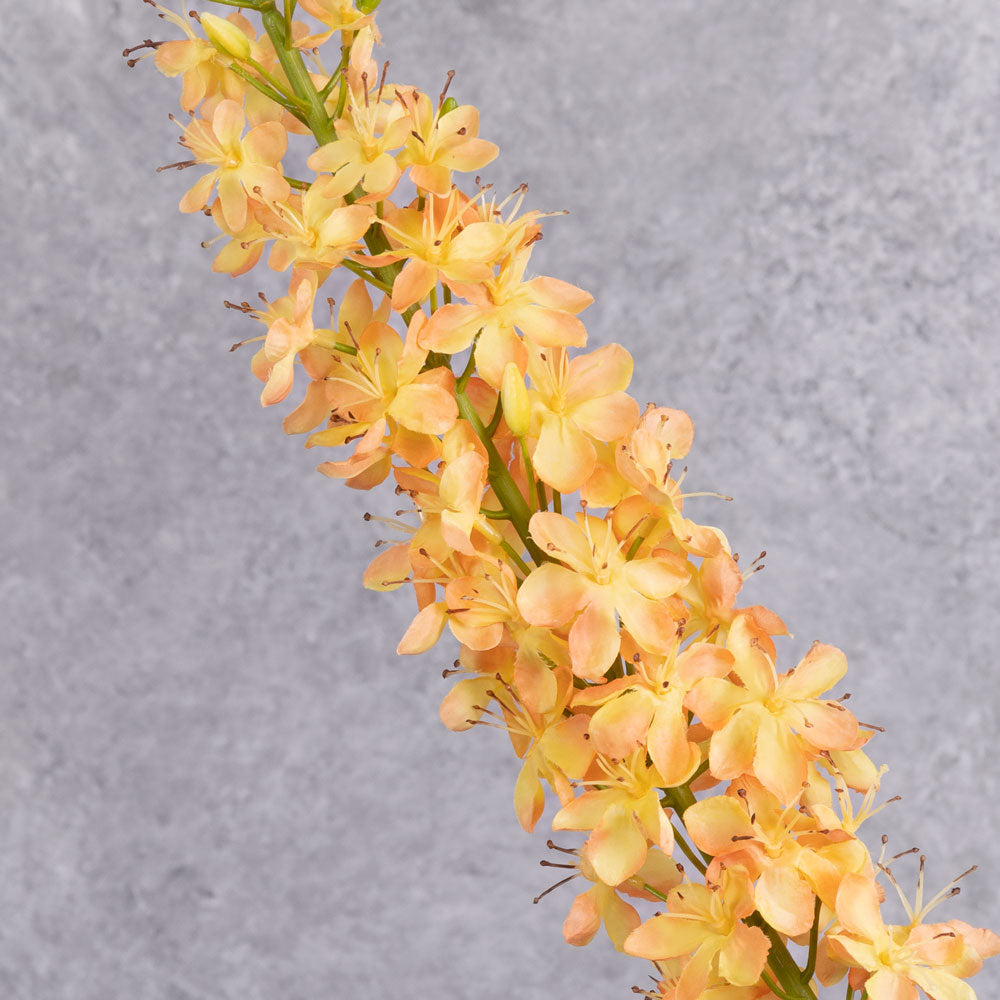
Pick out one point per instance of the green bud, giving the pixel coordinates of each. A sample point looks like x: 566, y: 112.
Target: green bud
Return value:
x: 226, y: 37
x: 516, y: 405
x: 367, y: 6
x: 449, y: 105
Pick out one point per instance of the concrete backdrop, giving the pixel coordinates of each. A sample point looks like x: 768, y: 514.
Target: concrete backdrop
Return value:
x: 218, y: 781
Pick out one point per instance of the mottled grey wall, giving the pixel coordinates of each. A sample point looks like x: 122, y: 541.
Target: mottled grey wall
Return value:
x: 218, y: 781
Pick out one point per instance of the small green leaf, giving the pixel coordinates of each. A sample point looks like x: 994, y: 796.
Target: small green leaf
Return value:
x: 449, y: 105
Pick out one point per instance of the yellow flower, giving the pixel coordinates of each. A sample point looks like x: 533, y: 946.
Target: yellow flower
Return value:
x: 705, y: 922
x: 769, y: 726
x: 245, y: 167
x: 592, y: 583
x: 441, y: 142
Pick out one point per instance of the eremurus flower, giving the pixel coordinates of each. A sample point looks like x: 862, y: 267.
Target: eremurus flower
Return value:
x: 896, y: 959
x: 592, y: 584
x: 543, y: 309
x: 769, y: 726
x: 245, y: 167
x: 575, y: 403
x: 645, y: 708
x: 602, y: 903
x: 624, y: 812
x: 706, y: 923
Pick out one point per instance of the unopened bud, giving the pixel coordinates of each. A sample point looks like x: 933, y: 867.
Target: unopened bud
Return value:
x: 225, y: 36
x: 516, y: 405
x: 367, y: 6
x: 449, y: 105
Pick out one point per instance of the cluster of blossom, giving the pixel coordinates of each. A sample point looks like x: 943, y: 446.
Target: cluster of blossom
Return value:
x: 604, y: 633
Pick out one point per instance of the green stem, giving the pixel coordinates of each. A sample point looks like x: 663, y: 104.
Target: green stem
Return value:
x: 779, y: 958
x: 278, y: 85
x: 810, y: 969
x: 251, y: 4
x: 494, y: 423
x: 654, y: 892
x: 494, y: 515
x: 529, y: 475
x: 501, y: 480
x: 518, y: 561
x: 298, y: 76
x: 356, y: 268
x: 687, y: 849
x: 773, y: 987
x: 557, y: 501
x: 270, y: 93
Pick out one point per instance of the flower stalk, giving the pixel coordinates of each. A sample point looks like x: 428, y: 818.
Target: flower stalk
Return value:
x: 607, y: 637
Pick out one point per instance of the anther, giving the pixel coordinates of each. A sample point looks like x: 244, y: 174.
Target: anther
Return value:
x: 444, y: 93
x: 179, y: 165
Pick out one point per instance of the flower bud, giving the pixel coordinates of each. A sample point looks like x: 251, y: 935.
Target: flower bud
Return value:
x: 516, y: 405
x: 225, y: 36
x: 449, y: 105
x: 367, y: 6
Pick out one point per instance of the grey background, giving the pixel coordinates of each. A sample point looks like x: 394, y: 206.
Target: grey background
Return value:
x: 218, y: 781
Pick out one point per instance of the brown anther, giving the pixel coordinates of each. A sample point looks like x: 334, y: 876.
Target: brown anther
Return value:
x: 179, y: 165
x: 444, y: 93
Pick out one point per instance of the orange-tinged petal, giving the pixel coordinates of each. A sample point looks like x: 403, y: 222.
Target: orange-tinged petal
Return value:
x: 550, y: 327
x: 600, y: 373
x: 887, y: 985
x: 858, y: 907
x: 657, y: 579
x: 227, y: 123
x: 820, y: 669
x: 718, y: 824
x: 714, y: 700
x: 566, y: 745
x: 779, y: 762
x: 554, y: 293
x: 784, y: 899
x: 424, y: 630
x: 936, y: 983
x: 594, y: 640
x: 562, y: 538
x: 480, y: 241
x: 703, y: 659
x: 619, y: 727
x: 389, y: 569
x: 669, y: 749
x: 529, y: 796
x: 607, y: 418
x: 459, y: 706
x: 617, y: 847
x: 743, y: 956
x: 425, y: 408
x: 828, y: 726
x: 583, y: 920
x: 647, y: 621
x: 666, y: 936
x: 452, y: 328
x: 266, y: 143
x: 584, y: 812
x: 551, y: 595
x: 197, y: 195
x: 620, y: 918
x: 564, y: 457
x: 694, y: 978
x: 413, y: 284
x: 731, y: 753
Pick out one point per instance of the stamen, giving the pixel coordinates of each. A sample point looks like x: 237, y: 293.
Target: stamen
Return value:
x: 542, y: 895
x: 444, y: 93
